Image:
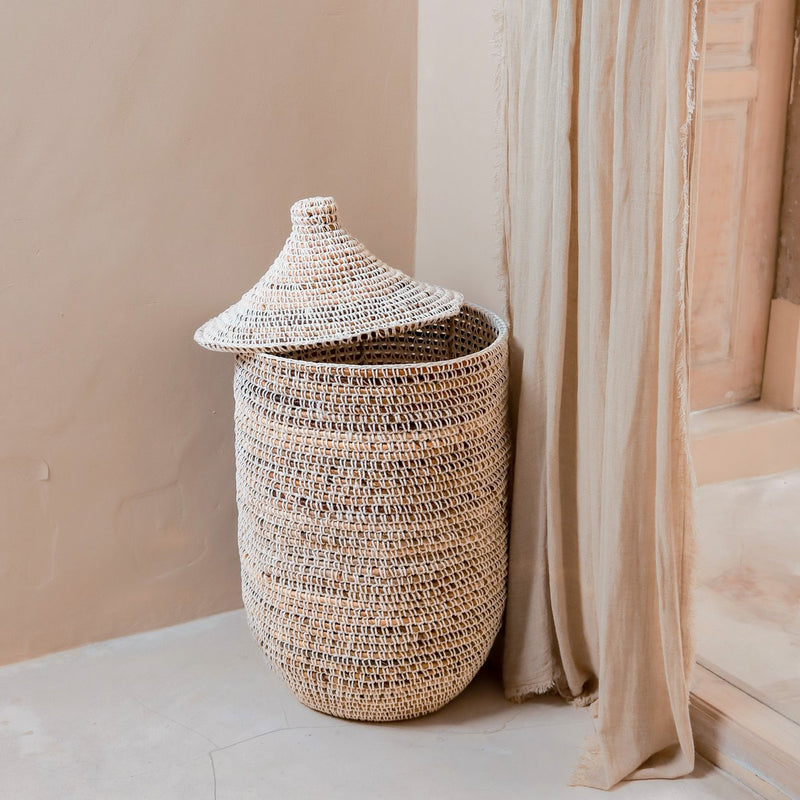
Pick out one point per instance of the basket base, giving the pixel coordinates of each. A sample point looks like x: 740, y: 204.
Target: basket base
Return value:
x: 379, y: 695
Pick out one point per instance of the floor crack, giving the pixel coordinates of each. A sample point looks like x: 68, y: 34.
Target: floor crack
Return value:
x: 278, y: 730
x: 285, y: 716
x: 213, y: 772
x: 177, y: 722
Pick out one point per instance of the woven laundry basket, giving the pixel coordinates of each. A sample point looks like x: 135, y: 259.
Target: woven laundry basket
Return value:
x: 372, y: 453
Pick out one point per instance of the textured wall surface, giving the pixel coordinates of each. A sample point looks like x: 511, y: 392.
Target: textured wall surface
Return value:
x: 149, y: 152
x: 457, y: 234
x: 787, y: 281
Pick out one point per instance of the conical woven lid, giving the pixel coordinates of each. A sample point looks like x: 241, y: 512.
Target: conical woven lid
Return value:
x: 324, y: 286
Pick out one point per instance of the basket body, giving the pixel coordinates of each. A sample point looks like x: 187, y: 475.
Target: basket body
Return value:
x: 372, y: 485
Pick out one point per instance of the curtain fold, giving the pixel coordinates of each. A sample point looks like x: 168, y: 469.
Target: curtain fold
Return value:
x: 596, y: 100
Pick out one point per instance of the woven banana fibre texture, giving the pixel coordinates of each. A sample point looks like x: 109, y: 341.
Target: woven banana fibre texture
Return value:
x: 324, y: 286
x: 371, y: 484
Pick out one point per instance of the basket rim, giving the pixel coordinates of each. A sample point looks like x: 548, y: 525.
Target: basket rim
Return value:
x: 500, y: 325
x: 358, y: 334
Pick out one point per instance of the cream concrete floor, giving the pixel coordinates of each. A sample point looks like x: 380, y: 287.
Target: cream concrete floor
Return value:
x: 748, y: 577
x: 194, y: 712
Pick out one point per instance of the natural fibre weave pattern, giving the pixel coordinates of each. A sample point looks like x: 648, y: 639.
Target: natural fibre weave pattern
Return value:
x: 371, y: 484
x: 324, y: 286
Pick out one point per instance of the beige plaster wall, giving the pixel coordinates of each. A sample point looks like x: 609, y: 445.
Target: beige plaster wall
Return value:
x: 457, y: 242
x: 149, y: 152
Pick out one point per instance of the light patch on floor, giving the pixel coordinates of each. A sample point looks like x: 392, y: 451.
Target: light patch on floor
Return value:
x: 194, y: 712
x: 748, y: 603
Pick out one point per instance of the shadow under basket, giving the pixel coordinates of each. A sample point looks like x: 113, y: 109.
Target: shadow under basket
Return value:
x: 372, y: 485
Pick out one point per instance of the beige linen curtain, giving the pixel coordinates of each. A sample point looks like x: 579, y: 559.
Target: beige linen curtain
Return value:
x: 596, y: 101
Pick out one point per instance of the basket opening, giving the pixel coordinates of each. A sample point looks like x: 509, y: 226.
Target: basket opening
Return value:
x: 470, y: 331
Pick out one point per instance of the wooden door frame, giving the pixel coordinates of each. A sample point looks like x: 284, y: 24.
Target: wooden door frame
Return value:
x: 733, y: 92
x: 745, y: 737
x: 733, y: 730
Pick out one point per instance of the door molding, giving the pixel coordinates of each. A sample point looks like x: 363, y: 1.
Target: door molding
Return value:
x: 746, y: 738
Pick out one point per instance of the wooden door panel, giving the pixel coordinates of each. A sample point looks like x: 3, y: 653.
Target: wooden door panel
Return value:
x: 730, y: 34
x: 715, y: 280
x: 741, y: 138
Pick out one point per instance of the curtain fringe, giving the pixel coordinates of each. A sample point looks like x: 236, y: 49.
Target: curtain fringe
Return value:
x: 586, y: 770
x: 519, y: 694
x: 557, y: 685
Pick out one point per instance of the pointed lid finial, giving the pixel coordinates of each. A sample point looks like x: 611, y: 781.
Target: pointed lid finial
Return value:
x: 324, y: 287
